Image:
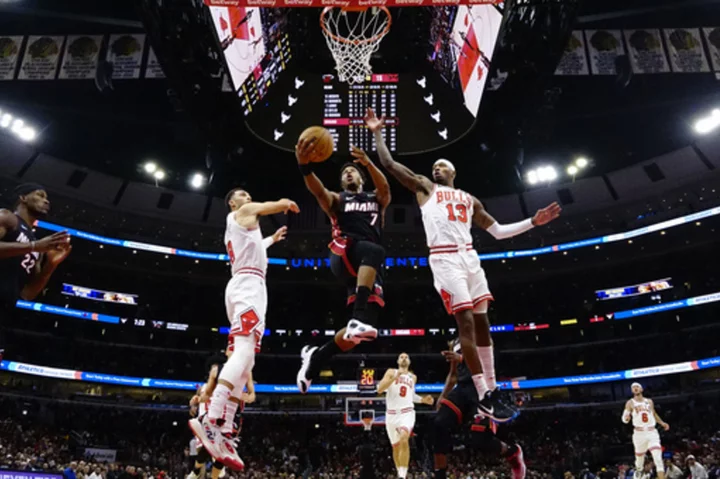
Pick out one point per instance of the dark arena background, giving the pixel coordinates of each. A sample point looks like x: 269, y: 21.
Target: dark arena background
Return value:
x: 137, y: 117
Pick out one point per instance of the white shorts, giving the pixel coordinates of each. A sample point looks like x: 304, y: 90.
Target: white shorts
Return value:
x: 645, y: 441
x: 460, y: 280
x: 396, y: 423
x: 246, y: 305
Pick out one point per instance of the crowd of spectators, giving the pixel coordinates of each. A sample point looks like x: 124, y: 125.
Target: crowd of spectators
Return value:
x: 583, y: 443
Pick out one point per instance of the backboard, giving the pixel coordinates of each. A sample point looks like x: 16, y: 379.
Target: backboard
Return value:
x: 359, y: 408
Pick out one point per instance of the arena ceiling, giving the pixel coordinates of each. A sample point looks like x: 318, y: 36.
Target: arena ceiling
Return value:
x: 534, y: 117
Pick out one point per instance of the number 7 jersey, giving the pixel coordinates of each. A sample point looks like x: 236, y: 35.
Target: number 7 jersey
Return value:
x: 447, y: 218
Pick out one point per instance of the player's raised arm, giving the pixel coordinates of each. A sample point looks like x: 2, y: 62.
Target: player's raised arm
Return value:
x: 482, y: 219
x: 413, y: 182
x: 326, y: 199
x: 659, y: 420
x: 268, y: 208
x: 627, y: 412
x: 387, y: 380
x: 382, y: 187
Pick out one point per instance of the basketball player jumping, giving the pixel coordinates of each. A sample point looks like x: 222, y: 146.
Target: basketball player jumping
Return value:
x: 458, y: 405
x: 399, y: 386
x: 27, y: 263
x: 646, y: 437
x: 356, y: 254
x: 246, y: 305
x: 448, y: 214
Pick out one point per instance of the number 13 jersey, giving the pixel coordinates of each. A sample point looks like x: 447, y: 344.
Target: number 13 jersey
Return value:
x: 447, y: 218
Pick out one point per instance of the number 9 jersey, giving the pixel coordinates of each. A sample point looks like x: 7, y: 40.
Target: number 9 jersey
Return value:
x: 457, y: 274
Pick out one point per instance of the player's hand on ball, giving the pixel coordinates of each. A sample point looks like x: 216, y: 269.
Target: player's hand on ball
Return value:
x: 280, y: 234
x: 428, y: 400
x: 546, y: 215
x: 452, y: 357
x: 291, y: 206
x: 360, y: 156
x: 372, y: 121
x: 304, y: 150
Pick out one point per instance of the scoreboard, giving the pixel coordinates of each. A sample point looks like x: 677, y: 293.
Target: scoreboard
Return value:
x: 367, y: 380
x: 344, y: 108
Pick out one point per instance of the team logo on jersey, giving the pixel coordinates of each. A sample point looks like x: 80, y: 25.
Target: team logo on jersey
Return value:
x: 361, y: 207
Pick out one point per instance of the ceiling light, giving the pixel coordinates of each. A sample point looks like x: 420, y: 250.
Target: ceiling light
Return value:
x: 27, y: 134
x: 159, y: 174
x: 197, y: 181
x: 17, y: 125
x: 581, y: 162
x: 150, y: 167
x: 709, y: 123
x: 532, y: 177
x: 5, y: 120
x: 572, y: 170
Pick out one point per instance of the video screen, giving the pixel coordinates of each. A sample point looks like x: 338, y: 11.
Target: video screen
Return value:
x: 634, y: 290
x: 464, y: 40
x: 256, y: 48
x: 99, y: 295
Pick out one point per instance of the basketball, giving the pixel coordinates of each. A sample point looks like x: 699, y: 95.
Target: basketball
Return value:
x: 324, y: 144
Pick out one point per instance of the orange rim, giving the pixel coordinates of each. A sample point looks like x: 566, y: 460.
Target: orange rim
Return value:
x: 356, y: 9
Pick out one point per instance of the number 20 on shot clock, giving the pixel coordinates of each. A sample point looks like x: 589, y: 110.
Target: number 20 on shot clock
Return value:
x: 366, y: 380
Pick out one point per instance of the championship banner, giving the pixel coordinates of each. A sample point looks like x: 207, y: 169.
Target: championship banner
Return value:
x: 712, y: 37
x: 604, y: 46
x: 647, y: 54
x: 125, y: 51
x: 153, y: 68
x: 574, y: 60
x: 40, y: 60
x: 346, y: 3
x: 686, y: 50
x: 9, y: 54
x: 81, y: 57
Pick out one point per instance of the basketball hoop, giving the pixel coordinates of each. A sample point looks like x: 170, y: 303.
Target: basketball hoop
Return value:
x: 353, y: 34
x: 367, y: 416
x: 367, y: 423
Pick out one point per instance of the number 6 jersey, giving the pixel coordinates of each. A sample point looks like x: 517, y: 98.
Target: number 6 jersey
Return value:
x: 642, y: 415
x: 447, y: 218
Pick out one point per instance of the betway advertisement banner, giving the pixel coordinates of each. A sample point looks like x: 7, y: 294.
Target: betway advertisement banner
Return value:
x: 345, y: 3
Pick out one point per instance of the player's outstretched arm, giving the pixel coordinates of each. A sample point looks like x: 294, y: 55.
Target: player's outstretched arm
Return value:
x: 326, y: 199
x: 41, y: 274
x: 10, y: 249
x: 482, y: 219
x: 387, y: 380
x: 268, y: 208
x: 413, y: 182
x: 276, y: 237
x: 659, y: 420
x: 627, y: 412
x: 382, y: 187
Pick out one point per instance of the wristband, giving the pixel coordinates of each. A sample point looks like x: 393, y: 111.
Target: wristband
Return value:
x: 306, y: 169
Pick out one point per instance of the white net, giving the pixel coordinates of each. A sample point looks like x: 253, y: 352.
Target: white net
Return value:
x: 352, y: 37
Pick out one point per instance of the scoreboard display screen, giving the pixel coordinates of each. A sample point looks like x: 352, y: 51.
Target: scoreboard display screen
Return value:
x: 422, y: 113
x: 367, y: 380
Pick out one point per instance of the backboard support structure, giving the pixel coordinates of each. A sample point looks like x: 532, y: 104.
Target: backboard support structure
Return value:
x: 364, y: 412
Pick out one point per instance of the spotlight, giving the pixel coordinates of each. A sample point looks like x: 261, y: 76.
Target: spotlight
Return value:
x: 572, y: 170
x: 150, y: 167
x: 543, y: 174
x: 581, y: 162
x: 709, y: 123
x: 197, y: 181
x: 159, y: 175
x: 27, y: 134
x: 532, y: 177
x: 17, y: 126
x: 6, y: 120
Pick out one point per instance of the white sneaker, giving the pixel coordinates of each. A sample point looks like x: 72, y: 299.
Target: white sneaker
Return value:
x: 230, y: 457
x: 357, y: 332
x: 208, y: 434
x: 303, y: 382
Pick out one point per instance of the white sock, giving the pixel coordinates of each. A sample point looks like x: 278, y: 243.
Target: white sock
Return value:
x: 229, y: 415
x: 487, y: 359
x: 480, y: 385
x: 402, y: 472
x: 219, y: 400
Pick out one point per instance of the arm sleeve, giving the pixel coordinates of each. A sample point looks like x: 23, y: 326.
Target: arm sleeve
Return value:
x: 268, y: 242
x: 508, y: 231
x: 417, y: 399
x: 626, y: 416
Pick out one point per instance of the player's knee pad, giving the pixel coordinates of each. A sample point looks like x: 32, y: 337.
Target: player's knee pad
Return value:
x: 443, y: 424
x: 657, y: 459
x: 373, y: 255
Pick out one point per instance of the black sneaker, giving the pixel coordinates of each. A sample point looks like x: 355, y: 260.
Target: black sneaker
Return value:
x: 493, y: 407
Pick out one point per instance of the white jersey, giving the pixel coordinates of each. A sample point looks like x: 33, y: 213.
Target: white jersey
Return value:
x: 203, y: 406
x: 399, y: 396
x: 642, y: 414
x: 447, y: 218
x: 245, y: 248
